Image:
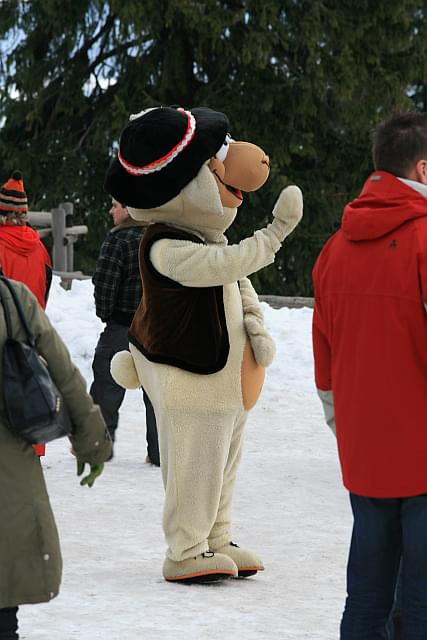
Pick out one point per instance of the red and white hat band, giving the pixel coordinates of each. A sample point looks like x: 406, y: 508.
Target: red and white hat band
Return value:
x: 162, y: 162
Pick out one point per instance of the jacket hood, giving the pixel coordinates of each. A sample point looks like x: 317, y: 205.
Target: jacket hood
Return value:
x: 384, y: 204
x: 20, y: 239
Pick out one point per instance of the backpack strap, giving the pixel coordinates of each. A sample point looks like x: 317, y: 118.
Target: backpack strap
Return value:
x: 7, y: 318
x: 30, y: 336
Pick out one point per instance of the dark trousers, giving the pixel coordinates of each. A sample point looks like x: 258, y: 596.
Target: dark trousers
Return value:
x: 384, y: 532
x: 109, y: 395
x: 9, y: 624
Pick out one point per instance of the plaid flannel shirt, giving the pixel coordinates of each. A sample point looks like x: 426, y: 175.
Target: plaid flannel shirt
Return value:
x: 117, y: 281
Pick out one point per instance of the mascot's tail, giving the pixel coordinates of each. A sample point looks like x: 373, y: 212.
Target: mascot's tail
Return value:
x: 123, y: 370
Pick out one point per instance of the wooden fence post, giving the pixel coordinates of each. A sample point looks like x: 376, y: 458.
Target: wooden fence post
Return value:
x: 69, y: 240
x: 59, y: 254
x: 59, y: 223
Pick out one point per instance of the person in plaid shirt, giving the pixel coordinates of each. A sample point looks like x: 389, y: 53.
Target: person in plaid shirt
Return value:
x: 117, y: 292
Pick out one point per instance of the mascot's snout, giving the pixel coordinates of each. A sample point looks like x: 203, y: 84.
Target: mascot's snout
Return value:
x: 239, y: 167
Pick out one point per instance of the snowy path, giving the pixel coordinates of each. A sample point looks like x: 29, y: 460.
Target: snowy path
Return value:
x: 290, y: 507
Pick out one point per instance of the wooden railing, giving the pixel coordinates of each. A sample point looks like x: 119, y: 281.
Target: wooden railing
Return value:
x: 58, y: 223
x: 293, y: 302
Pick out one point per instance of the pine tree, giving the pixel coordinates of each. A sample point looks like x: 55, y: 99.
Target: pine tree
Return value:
x: 304, y: 80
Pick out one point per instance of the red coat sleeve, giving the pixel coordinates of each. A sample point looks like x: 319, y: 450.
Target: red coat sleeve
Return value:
x: 321, y: 351
x: 423, y: 277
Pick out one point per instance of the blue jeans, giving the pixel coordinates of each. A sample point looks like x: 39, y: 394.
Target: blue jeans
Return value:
x: 385, y: 530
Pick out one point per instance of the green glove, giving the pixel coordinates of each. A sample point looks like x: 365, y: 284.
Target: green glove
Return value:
x: 95, y: 471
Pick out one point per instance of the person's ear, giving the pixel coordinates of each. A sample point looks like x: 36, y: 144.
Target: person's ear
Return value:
x: 421, y: 171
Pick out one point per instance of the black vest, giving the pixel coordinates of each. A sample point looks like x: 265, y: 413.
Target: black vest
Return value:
x: 181, y: 326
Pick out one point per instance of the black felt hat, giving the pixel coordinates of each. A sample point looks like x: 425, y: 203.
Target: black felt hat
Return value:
x: 161, y: 150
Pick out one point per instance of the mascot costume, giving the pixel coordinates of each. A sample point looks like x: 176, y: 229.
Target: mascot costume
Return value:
x: 197, y: 341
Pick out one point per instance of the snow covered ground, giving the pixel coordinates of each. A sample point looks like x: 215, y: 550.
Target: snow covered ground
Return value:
x: 290, y: 507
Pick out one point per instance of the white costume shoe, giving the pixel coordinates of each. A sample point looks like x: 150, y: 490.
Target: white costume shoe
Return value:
x: 248, y: 564
x: 206, y: 567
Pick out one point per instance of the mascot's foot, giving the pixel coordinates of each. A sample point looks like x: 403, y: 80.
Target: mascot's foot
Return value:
x: 248, y: 564
x: 207, y: 567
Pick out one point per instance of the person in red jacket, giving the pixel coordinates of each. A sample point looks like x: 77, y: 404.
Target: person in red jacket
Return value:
x: 370, y: 356
x: 23, y: 255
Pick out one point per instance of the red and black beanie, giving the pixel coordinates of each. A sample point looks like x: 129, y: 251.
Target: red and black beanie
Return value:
x: 161, y: 150
x: 13, y: 198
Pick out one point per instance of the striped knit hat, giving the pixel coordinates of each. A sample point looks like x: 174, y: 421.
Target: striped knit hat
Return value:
x: 13, y: 198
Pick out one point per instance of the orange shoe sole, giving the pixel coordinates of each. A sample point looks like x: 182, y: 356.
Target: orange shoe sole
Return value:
x: 202, y: 576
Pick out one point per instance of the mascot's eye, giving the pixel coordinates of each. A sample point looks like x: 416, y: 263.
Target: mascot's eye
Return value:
x: 222, y: 153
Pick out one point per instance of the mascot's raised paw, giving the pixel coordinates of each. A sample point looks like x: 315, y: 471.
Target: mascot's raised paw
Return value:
x: 123, y: 370
x: 288, y: 207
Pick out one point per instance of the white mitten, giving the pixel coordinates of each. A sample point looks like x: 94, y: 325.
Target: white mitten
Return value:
x: 123, y: 370
x: 287, y: 211
x: 261, y: 341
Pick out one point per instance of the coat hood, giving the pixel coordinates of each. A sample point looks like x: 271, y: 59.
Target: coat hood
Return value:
x: 384, y: 204
x: 20, y: 239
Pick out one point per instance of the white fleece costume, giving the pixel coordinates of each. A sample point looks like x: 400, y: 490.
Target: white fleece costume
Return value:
x: 201, y: 418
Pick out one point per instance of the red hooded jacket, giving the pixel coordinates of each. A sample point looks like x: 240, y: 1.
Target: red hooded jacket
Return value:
x: 24, y: 257
x: 370, y: 338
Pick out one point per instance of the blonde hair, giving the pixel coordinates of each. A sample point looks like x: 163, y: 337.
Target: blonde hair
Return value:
x: 17, y: 219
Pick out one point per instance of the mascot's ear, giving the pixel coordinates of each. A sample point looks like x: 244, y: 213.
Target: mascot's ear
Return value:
x: 202, y: 193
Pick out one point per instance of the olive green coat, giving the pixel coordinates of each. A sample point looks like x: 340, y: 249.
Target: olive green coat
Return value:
x: 30, y: 557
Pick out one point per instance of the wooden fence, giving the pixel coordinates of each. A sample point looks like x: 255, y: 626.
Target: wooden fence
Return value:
x: 58, y: 223
x: 293, y: 302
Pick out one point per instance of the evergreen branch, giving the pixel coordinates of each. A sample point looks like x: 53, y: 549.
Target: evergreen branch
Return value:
x: 108, y: 24
x: 111, y: 53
